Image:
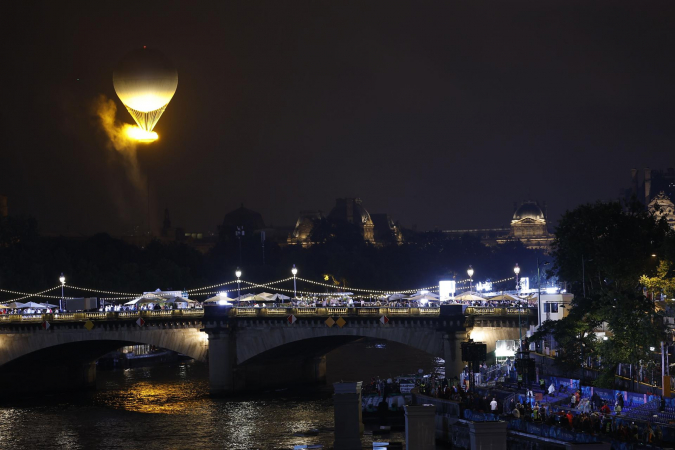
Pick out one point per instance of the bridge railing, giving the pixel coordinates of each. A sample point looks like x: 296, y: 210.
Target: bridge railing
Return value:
x: 101, y: 316
x: 367, y: 311
x: 244, y: 312
x: 495, y: 311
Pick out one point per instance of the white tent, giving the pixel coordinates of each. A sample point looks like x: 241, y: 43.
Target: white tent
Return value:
x: 469, y: 296
x: 216, y: 298
x: 148, y: 298
x: 427, y: 294
x: 179, y: 300
x: 397, y: 296
x: 254, y: 298
x: 16, y: 305
x: 423, y: 297
x: 33, y: 305
x: 281, y: 297
x: 505, y: 297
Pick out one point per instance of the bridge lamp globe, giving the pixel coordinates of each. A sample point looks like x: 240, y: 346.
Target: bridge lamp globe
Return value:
x: 470, y: 273
x: 294, y: 271
x: 516, y: 270
x: 238, y: 274
x: 62, y: 279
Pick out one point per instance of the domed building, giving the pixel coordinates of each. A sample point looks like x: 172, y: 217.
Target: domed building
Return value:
x: 241, y: 218
x: 528, y: 225
x: 662, y: 207
x: 250, y: 220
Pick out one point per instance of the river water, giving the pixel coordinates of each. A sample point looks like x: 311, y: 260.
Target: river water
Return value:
x: 168, y: 407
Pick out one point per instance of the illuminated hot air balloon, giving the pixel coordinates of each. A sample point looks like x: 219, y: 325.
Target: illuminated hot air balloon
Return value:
x: 145, y: 81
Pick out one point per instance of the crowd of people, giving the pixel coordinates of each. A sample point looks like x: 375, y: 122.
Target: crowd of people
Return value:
x: 591, y: 415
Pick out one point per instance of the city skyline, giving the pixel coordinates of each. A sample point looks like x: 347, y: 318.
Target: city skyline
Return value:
x: 441, y: 116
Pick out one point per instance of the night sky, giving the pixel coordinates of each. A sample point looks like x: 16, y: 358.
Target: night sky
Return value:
x: 442, y: 114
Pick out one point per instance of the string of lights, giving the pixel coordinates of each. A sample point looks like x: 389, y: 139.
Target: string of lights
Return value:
x: 38, y: 294
x: 27, y: 294
x: 371, y: 291
x: 249, y: 285
x: 210, y: 287
x: 99, y: 291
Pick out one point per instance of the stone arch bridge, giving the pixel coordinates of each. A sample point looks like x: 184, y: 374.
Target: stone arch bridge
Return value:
x: 241, y: 345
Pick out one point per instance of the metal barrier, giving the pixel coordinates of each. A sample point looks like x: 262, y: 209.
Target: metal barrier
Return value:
x: 368, y: 311
x: 397, y: 311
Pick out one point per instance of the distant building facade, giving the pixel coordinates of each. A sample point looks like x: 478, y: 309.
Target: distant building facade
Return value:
x: 302, y: 233
x: 243, y: 217
x: 528, y: 225
x: 653, y: 183
x: 662, y: 207
x: 351, y: 210
x: 378, y: 229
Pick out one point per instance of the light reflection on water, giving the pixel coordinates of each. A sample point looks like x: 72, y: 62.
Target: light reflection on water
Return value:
x: 169, y: 407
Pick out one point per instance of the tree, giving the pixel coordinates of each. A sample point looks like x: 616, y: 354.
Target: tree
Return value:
x: 661, y: 283
x: 607, y: 243
x: 603, y: 250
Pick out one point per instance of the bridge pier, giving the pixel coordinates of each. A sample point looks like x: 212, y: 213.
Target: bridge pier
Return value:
x: 452, y: 353
x: 222, y: 362
x: 227, y: 376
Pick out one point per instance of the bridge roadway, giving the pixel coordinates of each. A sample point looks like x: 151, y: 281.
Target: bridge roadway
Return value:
x: 246, y: 348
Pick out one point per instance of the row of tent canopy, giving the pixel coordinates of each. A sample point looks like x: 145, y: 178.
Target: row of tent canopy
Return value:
x: 428, y: 296
x: 262, y: 297
x: 32, y: 305
x: 158, y: 298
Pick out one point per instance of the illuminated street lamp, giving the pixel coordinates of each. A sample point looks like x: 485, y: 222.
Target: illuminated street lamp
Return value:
x: 238, y: 274
x: 294, y: 271
x: 470, y: 272
x: 62, y: 279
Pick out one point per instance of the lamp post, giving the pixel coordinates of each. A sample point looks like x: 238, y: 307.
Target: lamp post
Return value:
x: 470, y: 272
x: 545, y: 263
x: 62, y: 279
x: 294, y: 271
x: 516, y: 270
x: 238, y: 274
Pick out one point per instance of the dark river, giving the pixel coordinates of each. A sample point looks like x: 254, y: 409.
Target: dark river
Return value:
x: 168, y: 407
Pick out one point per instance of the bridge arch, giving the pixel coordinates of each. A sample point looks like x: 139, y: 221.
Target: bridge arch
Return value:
x: 188, y: 341
x: 250, y: 342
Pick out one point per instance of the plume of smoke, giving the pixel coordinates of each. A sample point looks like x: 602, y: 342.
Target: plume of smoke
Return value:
x: 119, y: 141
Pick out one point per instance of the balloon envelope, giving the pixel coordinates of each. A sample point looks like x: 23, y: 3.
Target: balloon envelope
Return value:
x: 145, y: 81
